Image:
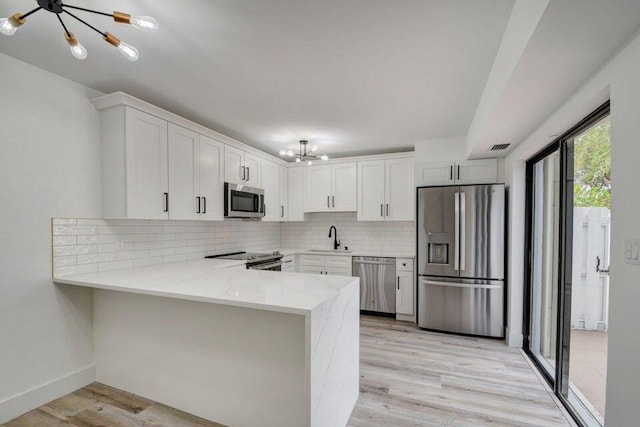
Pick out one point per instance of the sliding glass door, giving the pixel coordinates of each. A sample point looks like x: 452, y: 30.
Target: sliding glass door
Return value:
x: 567, y: 282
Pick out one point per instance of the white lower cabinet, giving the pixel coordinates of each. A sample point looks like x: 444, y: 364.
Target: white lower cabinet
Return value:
x: 338, y: 265
x: 405, y: 287
x: 289, y: 263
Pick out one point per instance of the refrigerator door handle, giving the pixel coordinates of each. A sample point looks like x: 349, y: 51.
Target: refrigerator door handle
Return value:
x: 460, y: 285
x: 456, y: 241
x: 463, y: 230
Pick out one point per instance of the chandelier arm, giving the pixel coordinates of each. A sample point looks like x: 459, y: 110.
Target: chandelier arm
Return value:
x: 85, y: 23
x: 88, y: 10
x: 30, y: 12
x: 63, y: 26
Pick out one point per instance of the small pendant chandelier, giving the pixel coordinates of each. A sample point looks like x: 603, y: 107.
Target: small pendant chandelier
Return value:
x: 8, y: 26
x: 305, y: 153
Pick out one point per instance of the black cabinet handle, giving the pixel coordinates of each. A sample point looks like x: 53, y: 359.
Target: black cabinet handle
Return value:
x: 451, y: 173
x: 166, y: 202
x: 281, y: 211
x: 248, y: 173
x: 244, y: 173
x: 458, y: 171
x: 387, y: 209
x: 333, y: 201
x: 398, y: 282
x: 198, y: 200
x: 204, y: 203
x: 382, y: 210
x: 328, y: 204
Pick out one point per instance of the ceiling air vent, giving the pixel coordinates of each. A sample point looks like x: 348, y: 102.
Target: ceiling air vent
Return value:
x: 499, y: 147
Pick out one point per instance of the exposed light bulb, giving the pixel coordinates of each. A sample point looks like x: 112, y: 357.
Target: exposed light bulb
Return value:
x: 283, y: 153
x: 309, y: 162
x: 298, y: 160
x: 130, y: 52
x: 290, y: 153
x: 145, y: 23
x: 324, y: 157
x: 9, y: 26
x: 77, y: 50
x: 314, y: 148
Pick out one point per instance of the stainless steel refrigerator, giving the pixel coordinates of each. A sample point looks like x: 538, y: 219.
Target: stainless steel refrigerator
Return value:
x: 461, y: 259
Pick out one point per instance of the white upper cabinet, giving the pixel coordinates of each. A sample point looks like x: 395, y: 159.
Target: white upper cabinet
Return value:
x: 284, y: 193
x: 275, y: 185
x: 318, y: 184
x: 155, y: 169
x: 344, y: 195
x: 371, y: 190
x: 484, y: 171
x: 271, y: 187
x: 241, y: 167
x: 296, y: 193
x: 331, y: 188
x: 386, y: 191
x: 135, y: 178
x: 211, y: 179
x: 184, y: 162
x: 400, y: 192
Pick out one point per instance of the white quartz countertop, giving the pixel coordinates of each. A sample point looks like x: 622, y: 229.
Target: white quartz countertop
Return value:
x: 381, y: 254
x: 209, y: 280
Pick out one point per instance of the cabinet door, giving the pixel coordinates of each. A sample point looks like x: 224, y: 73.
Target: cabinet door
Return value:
x: 284, y: 194
x: 296, y: 194
x: 211, y: 179
x: 318, y: 188
x: 183, y: 173
x: 483, y: 171
x: 400, y: 190
x: 371, y: 187
x: 252, y: 163
x: 344, y: 184
x: 271, y: 187
x: 234, y: 171
x: 405, y: 293
x: 147, y: 177
x: 434, y: 173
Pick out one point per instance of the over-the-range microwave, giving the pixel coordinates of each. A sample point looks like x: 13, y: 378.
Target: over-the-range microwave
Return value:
x: 241, y: 201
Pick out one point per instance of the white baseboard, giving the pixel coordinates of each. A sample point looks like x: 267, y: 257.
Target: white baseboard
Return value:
x: 26, y: 401
x: 514, y: 339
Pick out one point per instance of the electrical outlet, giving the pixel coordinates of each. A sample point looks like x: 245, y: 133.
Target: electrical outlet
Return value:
x: 119, y: 243
x: 632, y: 251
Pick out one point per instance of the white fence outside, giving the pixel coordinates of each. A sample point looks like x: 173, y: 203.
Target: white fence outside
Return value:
x: 590, y: 288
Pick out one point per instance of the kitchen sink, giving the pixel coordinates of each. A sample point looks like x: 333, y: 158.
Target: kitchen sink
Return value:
x: 329, y: 251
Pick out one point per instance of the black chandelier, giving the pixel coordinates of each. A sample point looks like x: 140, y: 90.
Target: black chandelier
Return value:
x: 305, y: 153
x: 8, y: 26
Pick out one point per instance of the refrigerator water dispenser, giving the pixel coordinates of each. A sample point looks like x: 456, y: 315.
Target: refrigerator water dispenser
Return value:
x: 438, y: 248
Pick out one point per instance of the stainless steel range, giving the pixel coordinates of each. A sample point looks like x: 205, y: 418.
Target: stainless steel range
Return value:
x: 255, y: 261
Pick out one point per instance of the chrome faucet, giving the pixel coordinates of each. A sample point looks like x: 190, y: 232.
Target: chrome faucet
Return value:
x: 336, y: 242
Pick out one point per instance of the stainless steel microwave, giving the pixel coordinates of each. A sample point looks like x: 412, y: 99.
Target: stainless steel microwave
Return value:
x: 241, y: 201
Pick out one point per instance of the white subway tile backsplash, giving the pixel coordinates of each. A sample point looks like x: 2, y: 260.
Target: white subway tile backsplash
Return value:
x: 90, y: 245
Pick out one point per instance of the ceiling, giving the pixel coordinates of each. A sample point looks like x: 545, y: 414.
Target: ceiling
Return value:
x: 354, y: 77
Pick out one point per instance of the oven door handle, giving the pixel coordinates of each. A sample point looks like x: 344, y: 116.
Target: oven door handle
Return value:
x: 266, y: 266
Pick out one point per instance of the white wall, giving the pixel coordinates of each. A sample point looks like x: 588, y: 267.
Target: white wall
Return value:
x: 49, y: 166
x: 619, y: 78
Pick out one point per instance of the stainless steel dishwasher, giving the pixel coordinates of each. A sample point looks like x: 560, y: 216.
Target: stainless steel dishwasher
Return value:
x: 377, y: 283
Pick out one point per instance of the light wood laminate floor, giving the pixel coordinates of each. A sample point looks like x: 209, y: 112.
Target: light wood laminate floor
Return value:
x: 408, y: 377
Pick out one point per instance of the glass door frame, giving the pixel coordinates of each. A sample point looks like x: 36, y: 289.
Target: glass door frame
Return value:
x: 559, y: 382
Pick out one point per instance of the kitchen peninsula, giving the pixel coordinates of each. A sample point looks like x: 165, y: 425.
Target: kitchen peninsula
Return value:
x: 239, y: 347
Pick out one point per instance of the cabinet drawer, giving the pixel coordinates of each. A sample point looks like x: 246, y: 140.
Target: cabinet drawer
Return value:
x: 289, y: 262
x: 338, y: 271
x: 404, y: 264
x: 310, y: 269
x: 311, y: 260
x: 337, y: 262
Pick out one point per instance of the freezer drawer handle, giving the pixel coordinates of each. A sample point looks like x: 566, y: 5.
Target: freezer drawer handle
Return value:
x: 460, y: 285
